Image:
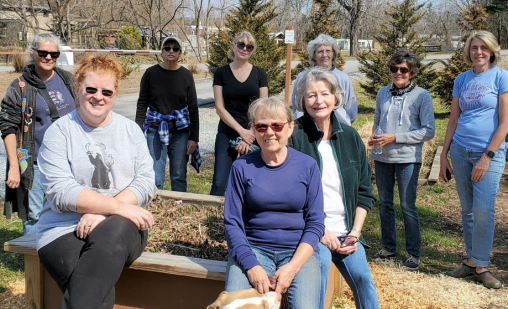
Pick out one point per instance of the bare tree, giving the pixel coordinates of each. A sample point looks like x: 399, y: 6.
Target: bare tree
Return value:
x: 356, y: 10
x: 153, y: 17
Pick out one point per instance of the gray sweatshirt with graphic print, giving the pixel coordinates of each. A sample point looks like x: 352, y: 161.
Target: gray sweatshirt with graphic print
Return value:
x: 410, y: 118
x: 74, y: 156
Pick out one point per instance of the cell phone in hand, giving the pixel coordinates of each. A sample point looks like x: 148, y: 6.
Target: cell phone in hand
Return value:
x: 448, y: 175
x: 348, y: 241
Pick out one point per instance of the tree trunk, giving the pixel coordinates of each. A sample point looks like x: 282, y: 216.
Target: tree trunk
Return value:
x: 353, y: 38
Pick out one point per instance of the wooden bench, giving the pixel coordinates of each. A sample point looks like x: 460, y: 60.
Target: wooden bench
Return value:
x: 154, y: 280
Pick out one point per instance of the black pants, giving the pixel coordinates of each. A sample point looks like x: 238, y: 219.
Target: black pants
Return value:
x: 86, y: 270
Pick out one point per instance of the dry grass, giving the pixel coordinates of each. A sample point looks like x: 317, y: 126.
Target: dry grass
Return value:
x: 194, y: 68
x: 503, y: 63
x: 401, y: 289
x: 14, y: 296
x: 190, y: 230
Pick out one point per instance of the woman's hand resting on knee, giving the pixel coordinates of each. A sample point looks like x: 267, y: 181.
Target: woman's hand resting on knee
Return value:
x: 87, y: 223
x: 137, y: 215
x: 259, y: 279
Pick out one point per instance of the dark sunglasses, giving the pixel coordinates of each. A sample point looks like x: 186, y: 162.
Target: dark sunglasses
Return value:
x: 175, y: 49
x: 44, y: 54
x: 403, y: 70
x: 241, y: 45
x: 276, y: 127
x: 105, y: 92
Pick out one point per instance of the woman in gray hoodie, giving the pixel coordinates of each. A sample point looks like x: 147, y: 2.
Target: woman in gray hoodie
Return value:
x: 405, y: 114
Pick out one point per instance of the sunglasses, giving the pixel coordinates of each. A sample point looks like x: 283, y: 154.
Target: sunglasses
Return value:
x: 175, y: 49
x: 105, y: 92
x: 241, y: 45
x: 403, y: 70
x: 44, y: 54
x: 276, y: 127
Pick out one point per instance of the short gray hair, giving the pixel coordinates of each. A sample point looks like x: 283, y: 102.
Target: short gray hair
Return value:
x: 313, y: 75
x: 43, y: 37
x: 322, y: 39
x: 274, y: 107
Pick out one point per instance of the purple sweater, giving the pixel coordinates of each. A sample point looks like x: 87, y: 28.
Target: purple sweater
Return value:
x: 272, y: 207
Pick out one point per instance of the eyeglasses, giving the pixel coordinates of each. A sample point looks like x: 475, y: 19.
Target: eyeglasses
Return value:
x: 175, y: 49
x: 105, y: 92
x: 403, y: 70
x: 276, y: 127
x: 44, y: 54
x: 242, y: 45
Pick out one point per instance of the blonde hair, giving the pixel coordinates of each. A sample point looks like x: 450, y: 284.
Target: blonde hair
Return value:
x: 273, y: 106
x: 244, y: 36
x: 490, y: 41
x: 102, y: 65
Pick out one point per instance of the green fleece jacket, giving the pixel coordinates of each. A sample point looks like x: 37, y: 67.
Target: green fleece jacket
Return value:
x: 354, y: 170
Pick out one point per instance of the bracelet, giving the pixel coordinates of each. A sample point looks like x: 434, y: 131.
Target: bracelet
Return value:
x: 356, y: 230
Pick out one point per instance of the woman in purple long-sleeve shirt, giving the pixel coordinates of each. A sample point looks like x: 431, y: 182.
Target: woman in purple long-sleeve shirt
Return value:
x: 273, y: 212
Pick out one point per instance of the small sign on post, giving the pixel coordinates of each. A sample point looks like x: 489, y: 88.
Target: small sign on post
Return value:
x: 289, y: 39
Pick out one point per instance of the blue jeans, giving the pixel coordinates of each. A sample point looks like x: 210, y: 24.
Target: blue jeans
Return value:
x: 407, y: 182
x: 304, y: 290
x: 35, y: 204
x: 326, y: 259
x: 477, y: 200
x: 224, y: 158
x: 178, y: 158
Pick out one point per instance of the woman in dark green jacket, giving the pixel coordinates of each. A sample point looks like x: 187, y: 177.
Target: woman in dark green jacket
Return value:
x: 346, y: 174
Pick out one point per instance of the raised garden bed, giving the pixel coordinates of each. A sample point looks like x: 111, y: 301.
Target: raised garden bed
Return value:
x: 162, y: 277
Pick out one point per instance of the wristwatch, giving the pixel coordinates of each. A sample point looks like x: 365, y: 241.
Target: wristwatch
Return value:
x: 490, y: 153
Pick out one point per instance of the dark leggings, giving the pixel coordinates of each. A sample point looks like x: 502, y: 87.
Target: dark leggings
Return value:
x: 86, y: 270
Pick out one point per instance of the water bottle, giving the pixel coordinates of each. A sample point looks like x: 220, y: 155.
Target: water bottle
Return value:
x: 376, y: 149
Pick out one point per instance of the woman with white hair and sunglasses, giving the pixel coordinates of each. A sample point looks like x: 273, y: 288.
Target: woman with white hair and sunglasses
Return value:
x: 32, y: 103
x: 323, y: 52
x: 235, y: 86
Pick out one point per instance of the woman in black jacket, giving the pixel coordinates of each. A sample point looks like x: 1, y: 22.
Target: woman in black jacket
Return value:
x: 32, y: 103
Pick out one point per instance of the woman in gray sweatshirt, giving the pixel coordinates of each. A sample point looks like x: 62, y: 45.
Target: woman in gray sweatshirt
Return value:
x: 405, y: 114
x: 98, y: 176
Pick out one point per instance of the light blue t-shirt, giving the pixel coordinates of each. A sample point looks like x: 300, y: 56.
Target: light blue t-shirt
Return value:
x: 478, y: 96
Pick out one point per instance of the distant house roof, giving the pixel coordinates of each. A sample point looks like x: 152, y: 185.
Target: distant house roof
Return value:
x: 17, y: 6
x: 276, y: 35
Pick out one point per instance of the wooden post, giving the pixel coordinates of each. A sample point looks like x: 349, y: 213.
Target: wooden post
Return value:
x: 33, y: 282
x: 289, y: 56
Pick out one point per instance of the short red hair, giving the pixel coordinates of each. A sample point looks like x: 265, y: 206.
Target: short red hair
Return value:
x: 102, y: 65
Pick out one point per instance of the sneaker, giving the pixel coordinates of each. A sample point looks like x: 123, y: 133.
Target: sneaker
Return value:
x: 412, y: 262
x: 488, y: 280
x: 462, y: 272
x: 383, y: 255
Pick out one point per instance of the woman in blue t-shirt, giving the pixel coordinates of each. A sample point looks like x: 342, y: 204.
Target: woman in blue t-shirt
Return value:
x: 235, y: 86
x: 475, y: 137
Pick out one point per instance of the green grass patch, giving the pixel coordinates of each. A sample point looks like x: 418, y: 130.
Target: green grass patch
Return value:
x: 438, y: 234
x: 11, y: 264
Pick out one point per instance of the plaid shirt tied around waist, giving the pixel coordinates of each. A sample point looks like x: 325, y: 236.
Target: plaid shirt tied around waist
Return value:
x: 182, y: 121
